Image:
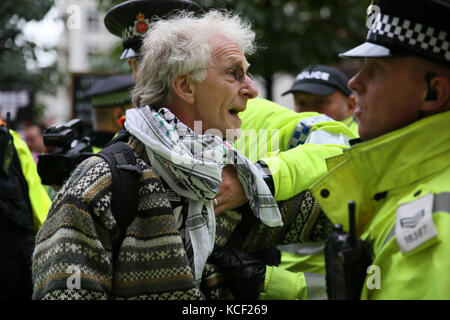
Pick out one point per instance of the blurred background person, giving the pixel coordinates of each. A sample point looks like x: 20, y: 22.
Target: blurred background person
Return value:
x: 324, y: 89
x: 24, y: 205
x: 33, y: 136
x: 110, y: 97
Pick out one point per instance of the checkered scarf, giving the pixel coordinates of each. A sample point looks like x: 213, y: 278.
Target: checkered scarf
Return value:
x: 191, y: 164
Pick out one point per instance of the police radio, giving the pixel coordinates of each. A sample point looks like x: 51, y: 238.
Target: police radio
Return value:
x: 346, y: 260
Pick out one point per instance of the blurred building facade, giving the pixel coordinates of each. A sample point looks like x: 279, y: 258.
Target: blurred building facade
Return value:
x: 83, y: 37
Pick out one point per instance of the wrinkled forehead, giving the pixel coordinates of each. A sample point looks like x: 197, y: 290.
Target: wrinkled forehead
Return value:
x: 225, y: 51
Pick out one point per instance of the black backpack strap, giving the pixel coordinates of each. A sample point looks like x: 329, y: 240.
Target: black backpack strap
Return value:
x: 125, y: 173
x: 123, y: 135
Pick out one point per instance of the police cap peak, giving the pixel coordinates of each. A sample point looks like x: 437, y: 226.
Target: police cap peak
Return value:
x: 130, y: 20
x: 407, y: 27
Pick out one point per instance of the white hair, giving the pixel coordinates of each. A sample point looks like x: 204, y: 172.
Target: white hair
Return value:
x: 182, y: 45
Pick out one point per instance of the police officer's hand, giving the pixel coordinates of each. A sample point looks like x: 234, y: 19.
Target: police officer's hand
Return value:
x: 243, y: 274
x: 231, y: 194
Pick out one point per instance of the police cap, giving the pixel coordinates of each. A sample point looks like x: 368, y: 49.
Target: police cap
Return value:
x: 320, y: 80
x: 407, y: 27
x: 130, y: 20
x: 112, y: 91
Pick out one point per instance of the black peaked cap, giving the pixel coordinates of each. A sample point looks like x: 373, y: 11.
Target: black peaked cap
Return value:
x: 111, y: 84
x: 130, y: 20
x: 407, y: 27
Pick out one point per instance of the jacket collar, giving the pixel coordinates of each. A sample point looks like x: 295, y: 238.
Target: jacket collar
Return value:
x: 369, y: 170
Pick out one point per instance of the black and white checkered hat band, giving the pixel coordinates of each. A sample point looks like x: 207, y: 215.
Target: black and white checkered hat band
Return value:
x: 410, y: 35
x: 131, y: 32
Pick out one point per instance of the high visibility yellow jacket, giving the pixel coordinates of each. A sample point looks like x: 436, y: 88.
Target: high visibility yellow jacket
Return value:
x: 269, y: 134
x: 309, y: 257
x: 351, y: 123
x: 400, y: 183
x: 40, y: 201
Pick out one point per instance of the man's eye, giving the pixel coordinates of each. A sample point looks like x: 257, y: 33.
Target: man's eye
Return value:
x: 233, y: 72
x: 238, y: 73
x: 372, y: 70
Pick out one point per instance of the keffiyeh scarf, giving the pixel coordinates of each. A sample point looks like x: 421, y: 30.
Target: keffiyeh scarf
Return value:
x: 191, y: 164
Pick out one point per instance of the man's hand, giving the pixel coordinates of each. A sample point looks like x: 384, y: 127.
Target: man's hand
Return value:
x: 244, y: 274
x: 231, y: 194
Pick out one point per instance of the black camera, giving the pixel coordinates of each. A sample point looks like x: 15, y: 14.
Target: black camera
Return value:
x: 70, y: 148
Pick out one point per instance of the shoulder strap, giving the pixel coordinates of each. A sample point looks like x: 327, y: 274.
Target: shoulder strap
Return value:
x: 123, y: 135
x: 125, y: 173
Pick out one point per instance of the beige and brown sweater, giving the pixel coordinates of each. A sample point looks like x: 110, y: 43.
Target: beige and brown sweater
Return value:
x: 73, y: 253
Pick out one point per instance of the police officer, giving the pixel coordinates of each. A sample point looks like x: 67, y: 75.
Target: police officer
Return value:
x: 399, y: 176
x: 109, y: 99
x: 324, y: 89
x: 24, y: 205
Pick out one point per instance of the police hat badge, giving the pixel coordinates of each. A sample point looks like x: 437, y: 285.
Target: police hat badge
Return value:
x: 131, y: 20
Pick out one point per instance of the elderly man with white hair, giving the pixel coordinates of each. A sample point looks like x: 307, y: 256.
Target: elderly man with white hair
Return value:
x: 192, y: 69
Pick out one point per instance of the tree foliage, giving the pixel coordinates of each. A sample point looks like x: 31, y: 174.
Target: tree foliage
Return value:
x: 15, y: 51
x: 293, y: 34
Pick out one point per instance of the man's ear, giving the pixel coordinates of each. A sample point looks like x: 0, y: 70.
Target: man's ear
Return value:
x: 436, y: 97
x: 117, y: 113
x: 184, y: 89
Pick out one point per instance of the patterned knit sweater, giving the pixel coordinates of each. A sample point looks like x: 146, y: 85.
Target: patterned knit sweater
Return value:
x: 73, y: 253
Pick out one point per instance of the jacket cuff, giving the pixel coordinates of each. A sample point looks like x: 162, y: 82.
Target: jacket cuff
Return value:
x: 281, y: 284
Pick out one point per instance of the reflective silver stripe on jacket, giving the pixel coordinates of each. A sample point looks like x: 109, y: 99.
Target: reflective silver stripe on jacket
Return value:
x: 303, y: 128
x: 316, y: 286
x: 306, y: 249
x: 325, y: 137
x: 441, y: 203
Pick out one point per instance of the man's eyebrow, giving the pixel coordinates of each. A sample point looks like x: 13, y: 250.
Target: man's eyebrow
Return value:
x: 237, y: 62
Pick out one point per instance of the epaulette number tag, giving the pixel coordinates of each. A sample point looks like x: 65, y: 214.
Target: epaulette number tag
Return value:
x: 415, y: 224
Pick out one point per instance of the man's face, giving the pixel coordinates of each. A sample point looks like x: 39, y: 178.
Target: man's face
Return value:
x: 335, y: 105
x: 220, y: 97
x: 388, y: 95
x: 33, y: 138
